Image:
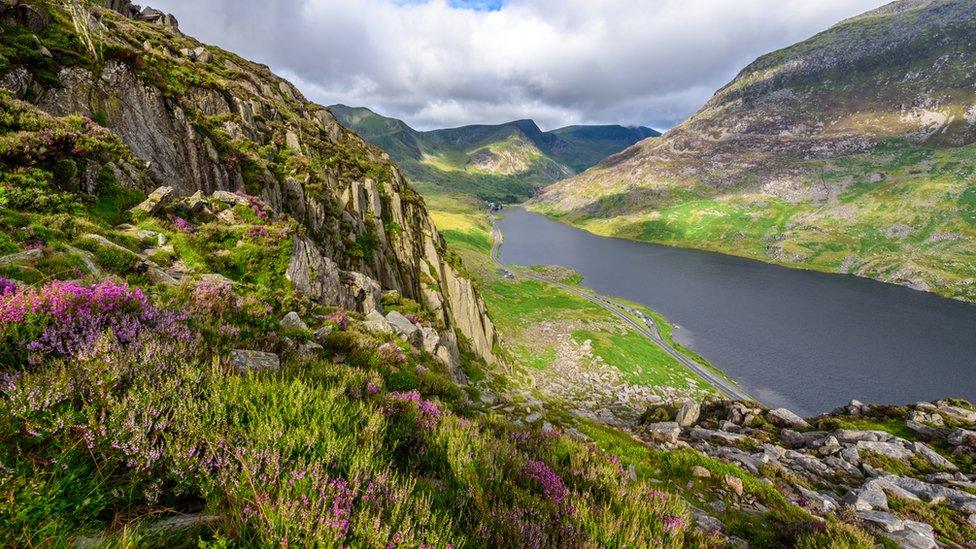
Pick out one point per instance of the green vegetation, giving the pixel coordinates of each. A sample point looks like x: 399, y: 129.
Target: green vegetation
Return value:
x: 504, y: 164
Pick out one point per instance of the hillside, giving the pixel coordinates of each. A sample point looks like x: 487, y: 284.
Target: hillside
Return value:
x: 228, y: 321
x: 503, y: 163
x: 850, y: 152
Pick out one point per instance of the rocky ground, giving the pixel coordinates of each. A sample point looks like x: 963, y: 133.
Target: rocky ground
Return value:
x: 917, y: 487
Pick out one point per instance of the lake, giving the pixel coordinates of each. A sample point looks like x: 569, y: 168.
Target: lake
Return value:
x: 803, y: 340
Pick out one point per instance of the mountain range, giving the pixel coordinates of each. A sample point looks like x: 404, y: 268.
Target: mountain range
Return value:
x: 850, y: 152
x: 500, y: 163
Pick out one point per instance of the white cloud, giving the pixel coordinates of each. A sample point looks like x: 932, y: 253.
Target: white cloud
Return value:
x: 558, y: 61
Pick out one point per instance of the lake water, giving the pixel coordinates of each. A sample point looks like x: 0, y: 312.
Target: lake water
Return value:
x: 804, y: 340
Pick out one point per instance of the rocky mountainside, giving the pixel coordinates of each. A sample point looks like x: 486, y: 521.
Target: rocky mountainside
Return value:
x: 200, y: 120
x: 849, y: 152
x: 498, y: 163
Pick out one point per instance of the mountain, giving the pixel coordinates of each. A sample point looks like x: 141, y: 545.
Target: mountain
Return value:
x: 500, y: 163
x: 849, y: 152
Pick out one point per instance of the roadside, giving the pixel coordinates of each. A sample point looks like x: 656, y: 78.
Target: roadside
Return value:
x: 637, y: 320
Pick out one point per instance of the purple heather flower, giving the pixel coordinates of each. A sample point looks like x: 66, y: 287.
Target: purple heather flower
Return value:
x: 673, y: 524
x: 552, y: 486
x: 7, y: 286
x: 182, y: 225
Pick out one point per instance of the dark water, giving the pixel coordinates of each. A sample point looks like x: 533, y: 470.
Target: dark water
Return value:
x: 807, y: 341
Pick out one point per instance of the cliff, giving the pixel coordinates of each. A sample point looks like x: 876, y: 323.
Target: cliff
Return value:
x: 202, y: 119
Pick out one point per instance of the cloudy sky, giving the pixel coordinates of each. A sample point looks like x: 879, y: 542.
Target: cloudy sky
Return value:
x: 444, y: 63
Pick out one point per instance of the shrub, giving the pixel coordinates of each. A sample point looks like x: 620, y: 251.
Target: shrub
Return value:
x: 66, y: 320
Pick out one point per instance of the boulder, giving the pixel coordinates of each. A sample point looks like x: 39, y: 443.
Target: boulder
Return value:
x: 689, y: 413
x: 700, y: 472
x: 20, y: 257
x: 934, y: 458
x: 888, y: 449
x: 154, y: 202
x: 785, y: 418
x: 735, y: 484
x: 867, y: 499
x: 227, y: 197
x: 822, y: 503
x: 884, y: 521
x: 405, y: 328
x: 376, y: 322
x: 292, y: 321
x: 429, y: 339
x: 323, y: 333
x: 253, y: 361
x: 963, y: 437
x: 668, y: 431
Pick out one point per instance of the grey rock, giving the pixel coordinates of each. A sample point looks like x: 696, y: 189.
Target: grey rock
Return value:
x: 883, y: 520
x: 155, y: 201
x: 922, y: 430
x: 20, y: 257
x: 253, y: 361
x: 785, y: 418
x: 959, y: 437
x: 376, y: 322
x: 668, y: 431
x: 822, y: 503
x: 230, y: 198
x: 404, y: 327
x: 323, y: 333
x: 867, y: 499
x: 575, y: 434
x: 689, y: 413
x: 934, y: 458
x: 310, y: 347
x: 887, y: 449
x: 533, y: 417
x: 292, y: 321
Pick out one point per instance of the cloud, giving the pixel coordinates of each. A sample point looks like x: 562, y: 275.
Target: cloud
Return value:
x: 441, y: 63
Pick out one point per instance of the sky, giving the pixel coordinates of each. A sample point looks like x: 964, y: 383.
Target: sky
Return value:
x: 447, y: 63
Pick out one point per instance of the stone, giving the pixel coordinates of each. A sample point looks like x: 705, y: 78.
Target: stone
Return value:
x: 668, y: 431
x: 883, y: 520
x: 154, y: 202
x: 310, y: 347
x: 959, y: 437
x: 533, y: 417
x: 376, y: 322
x: 821, y: 502
x: 785, y: 418
x: 922, y: 430
x: 230, y: 198
x: 323, y: 333
x: 700, y: 472
x: 705, y: 522
x: 293, y: 143
x: 887, y: 449
x: 914, y: 537
x: 735, y: 484
x: 688, y: 414
x: 20, y: 257
x: 253, y: 361
x: 934, y: 458
x: 404, y: 327
x: 575, y: 434
x: 430, y: 340
x: 867, y: 499
x: 292, y: 321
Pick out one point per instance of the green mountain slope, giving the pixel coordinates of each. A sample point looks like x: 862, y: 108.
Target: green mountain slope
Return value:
x: 850, y: 152
x: 499, y: 163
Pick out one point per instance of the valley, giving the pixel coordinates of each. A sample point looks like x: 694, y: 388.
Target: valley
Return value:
x: 233, y: 317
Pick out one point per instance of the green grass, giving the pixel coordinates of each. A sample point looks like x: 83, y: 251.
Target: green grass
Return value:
x: 641, y: 362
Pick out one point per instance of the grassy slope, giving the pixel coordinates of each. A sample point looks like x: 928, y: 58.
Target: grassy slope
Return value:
x: 447, y: 160
x: 899, y: 211
x: 517, y: 306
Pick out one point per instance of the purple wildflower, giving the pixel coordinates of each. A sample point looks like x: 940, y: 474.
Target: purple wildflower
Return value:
x: 673, y: 524
x: 7, y: 286
x: 182, y: 225
x: 256, y: 232
x: 552, y: 486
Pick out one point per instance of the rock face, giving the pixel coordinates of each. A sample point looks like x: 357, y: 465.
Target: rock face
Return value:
x: 253, y: 361
x: 362, y: 229
x: 848, y: 468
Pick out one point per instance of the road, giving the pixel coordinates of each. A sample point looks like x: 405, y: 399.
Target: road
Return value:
x: 649, y: 330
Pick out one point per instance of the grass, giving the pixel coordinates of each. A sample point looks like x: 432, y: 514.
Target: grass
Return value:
x: 642, y: 363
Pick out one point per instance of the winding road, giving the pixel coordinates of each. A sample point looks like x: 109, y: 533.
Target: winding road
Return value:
x: 648, y: 330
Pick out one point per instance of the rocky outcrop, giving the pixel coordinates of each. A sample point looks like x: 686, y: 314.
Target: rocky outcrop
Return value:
x: 362, y: 228
x: 864, y: 471
x: 147, y: 14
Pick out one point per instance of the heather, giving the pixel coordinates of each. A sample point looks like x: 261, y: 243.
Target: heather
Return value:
x: 319, y: 453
